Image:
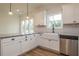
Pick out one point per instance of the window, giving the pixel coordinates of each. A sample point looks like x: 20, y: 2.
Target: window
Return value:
x: 54, y: 21
x: 27, y: 26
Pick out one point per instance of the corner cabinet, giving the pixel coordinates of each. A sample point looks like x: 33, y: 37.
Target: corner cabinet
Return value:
x: 29, y: 43
x: 50, y: 41
x: 70, y: 13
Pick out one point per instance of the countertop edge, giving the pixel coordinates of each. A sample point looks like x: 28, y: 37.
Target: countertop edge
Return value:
x: 16, y: 35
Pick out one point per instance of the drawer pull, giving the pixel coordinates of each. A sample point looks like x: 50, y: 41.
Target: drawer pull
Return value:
x: 25, y: 39
x: 12, y: 39
x: 50, y: 40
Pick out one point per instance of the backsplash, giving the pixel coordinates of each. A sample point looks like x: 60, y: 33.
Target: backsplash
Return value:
x: 67, y: 29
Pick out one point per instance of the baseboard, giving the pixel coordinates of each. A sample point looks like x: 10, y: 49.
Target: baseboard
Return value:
x: 48, y: 49
x: 64, y: 54
x: 51, y: 50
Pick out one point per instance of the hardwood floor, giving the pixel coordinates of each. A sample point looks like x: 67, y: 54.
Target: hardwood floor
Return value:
x: 40, y: 52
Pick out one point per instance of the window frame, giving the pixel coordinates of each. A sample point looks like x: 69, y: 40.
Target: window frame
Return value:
x: 47, y: 21
x: 23, y: 26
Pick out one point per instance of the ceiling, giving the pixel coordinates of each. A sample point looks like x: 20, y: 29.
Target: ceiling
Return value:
x: 22, y: 7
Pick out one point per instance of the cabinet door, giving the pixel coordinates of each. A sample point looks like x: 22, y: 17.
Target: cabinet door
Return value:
x: 68, y: 14
x: 54, y: 45
x: 19, y: 44
x: 9, y: 49
x: 28, y: 43
x: 44, y: 42
x: 37, y: 39
x: 32, y: 41
x: 78, y: 46
x: 76, y: 13
x: 25, y: 45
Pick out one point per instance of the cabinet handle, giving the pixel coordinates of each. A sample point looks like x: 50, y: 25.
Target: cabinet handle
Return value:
x: 25, y: 39
x: 25, y: 36
x: 50, y: 40
x: 13, y: 39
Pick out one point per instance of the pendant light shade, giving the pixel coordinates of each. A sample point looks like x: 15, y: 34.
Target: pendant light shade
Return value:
x: 10, y: 11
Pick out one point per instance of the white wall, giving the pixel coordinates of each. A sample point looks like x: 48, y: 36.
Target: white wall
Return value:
x: 8, y: 24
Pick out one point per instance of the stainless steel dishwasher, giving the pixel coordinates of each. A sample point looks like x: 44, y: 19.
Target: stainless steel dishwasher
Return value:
x: 69, y: 45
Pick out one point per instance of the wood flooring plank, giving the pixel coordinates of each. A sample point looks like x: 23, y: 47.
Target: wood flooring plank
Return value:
x: 40, y: 52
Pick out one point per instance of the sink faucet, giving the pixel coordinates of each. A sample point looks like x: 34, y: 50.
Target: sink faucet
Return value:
x: 53, y: 29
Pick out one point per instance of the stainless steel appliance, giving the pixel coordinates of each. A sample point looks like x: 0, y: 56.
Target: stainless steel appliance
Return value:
x: 69, y: 45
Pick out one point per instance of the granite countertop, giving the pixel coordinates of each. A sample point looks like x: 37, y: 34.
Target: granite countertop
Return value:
x: 9, y: 35
x: 17, y: 34
x: 2, y: 36
x: 69, y: 36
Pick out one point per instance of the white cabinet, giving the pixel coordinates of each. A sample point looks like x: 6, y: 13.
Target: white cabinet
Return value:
x: 70, y: 13
x: 50, y: 40
x: 54, y: 45
x: 17, y: 45
x: 44, y: 42
x: 76, y: 13
x: 19, y: 41
x: 78, y: 46
x: 10, y: 48
x: 25, y: 45
x: 32, y: 41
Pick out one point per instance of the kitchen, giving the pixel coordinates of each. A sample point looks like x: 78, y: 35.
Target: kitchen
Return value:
x: 50, y: 26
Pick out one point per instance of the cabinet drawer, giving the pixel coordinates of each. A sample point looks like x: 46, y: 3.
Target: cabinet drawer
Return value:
x: 20, y: 38
x: 30, y: 36
x: 55, y: 45
x: 7, y: 40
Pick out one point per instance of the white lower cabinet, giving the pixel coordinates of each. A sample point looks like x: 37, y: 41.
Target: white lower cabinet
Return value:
x: 31, y: 42
x: 43, y: 42
x: 78, y: 46
x: 25, y: 45
x: 17, y: 45
x: 11, y: 48
x: 54, y: 45
x: 51, y: 42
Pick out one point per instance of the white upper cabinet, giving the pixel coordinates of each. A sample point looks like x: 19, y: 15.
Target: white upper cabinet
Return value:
x: 70, y: 13
x: 76, y: 12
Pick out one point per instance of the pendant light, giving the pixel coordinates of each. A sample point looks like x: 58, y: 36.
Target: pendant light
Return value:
x: 10, y: 11
x: 27, y: 17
